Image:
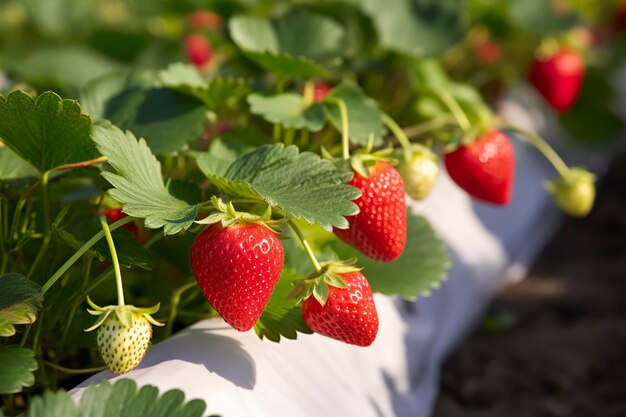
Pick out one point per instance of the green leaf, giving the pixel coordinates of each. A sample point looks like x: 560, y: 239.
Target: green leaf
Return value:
x: 20, y: 300
x: 216, y: 93
x: 224, y: 150
x: 289, y: 110
x: 364, y: 117
x: 68, y: 67
x: 296, y: 33
x: 301, y: 183
x: 539, y: 17
x: 17, y: 364
x: 281, y: 316
x: 417, y: 27
x: 167, y: 119
x: 291, y: 46
x: 12, y: 166
x: 422, y: 266
x: 138, y: 184
x: 121, y: 399
x: 305, y: 33
x: 78, y: 229
x: 286, y: 65
x: 253, y: 34
x: 47, y: 132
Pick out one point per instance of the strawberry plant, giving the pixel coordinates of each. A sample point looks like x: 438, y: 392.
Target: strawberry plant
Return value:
x: 251, y: 163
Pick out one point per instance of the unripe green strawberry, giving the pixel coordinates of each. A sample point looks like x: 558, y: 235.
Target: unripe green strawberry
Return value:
x: 124, y: 333
x: 574, y: 193
x: 121, y: 347
x: 420, y: 173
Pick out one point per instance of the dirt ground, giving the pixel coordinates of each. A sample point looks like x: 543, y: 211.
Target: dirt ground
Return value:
x: 554, y: 344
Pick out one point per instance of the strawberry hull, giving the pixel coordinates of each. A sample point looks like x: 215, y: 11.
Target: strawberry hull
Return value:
x: 237, y: 268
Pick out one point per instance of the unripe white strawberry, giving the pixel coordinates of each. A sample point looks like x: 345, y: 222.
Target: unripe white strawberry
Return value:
x: 420, y: 172
x: 121, y: 347
x: 574, y: 193
x: 124, y: 334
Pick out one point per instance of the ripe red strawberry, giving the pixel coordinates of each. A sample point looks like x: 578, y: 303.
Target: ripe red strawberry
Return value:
x: 198, y: 50
x: 378, y: 231
x: 237, y: 268
x: 558, y: 78
x: 484, y: 168
x: 320, y: 91
x: 349, y: 314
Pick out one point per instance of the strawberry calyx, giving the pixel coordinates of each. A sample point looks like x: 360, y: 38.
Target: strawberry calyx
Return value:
x: 316, y: 284
x: 126, y: 314
x: 574, y: 192
x: 227, y: 215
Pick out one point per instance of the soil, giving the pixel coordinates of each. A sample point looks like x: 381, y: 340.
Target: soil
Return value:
x: 555, y: 344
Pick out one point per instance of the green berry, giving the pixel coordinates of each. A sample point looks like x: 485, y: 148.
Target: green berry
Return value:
x: 574, y: 193
x: 420, y: 173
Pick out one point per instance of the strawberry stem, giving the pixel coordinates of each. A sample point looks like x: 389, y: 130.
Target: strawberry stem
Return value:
x: 116, y: 263
x: 454, y: 107
x: 345, y: 135
x: 306, y: 245
x: 80, y: 252
x: 424, y: 127
x: 308, y: 93
x: 47, y: 236
x: 542, y: 146
x: 400, y: 135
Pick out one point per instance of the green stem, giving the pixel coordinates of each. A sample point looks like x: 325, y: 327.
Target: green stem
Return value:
x: 175, y: 301
x: 400, y: 135
x: 5, y: 262
x: 47, y: 226
x: 70, y: 318
x: 458, y: 113
x: 542, y: 146
x: 74, y: 371
x: 18, y: 210
x: 107, y: 274
x: 289, y: 135
x: 86, y: 246
x: 280, y: 86
x: 308, y: 93
x: 306, y: 245
x: 116, y: 263
x: 345, y: 134
x: 425, y: 127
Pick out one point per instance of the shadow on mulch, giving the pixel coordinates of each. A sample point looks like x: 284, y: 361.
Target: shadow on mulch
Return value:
x: 555, y: 344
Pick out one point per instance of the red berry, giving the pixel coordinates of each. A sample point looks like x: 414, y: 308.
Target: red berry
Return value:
x: 349, y: 314
x: 116, y: 214
x: 558, y: 78
x: 198, y: 50
x: 484, y: 168
x: 488, y: 52
x: 379, y: 229
x: 202, y: 19
x: 237, y: 268
x: 320, y: 91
